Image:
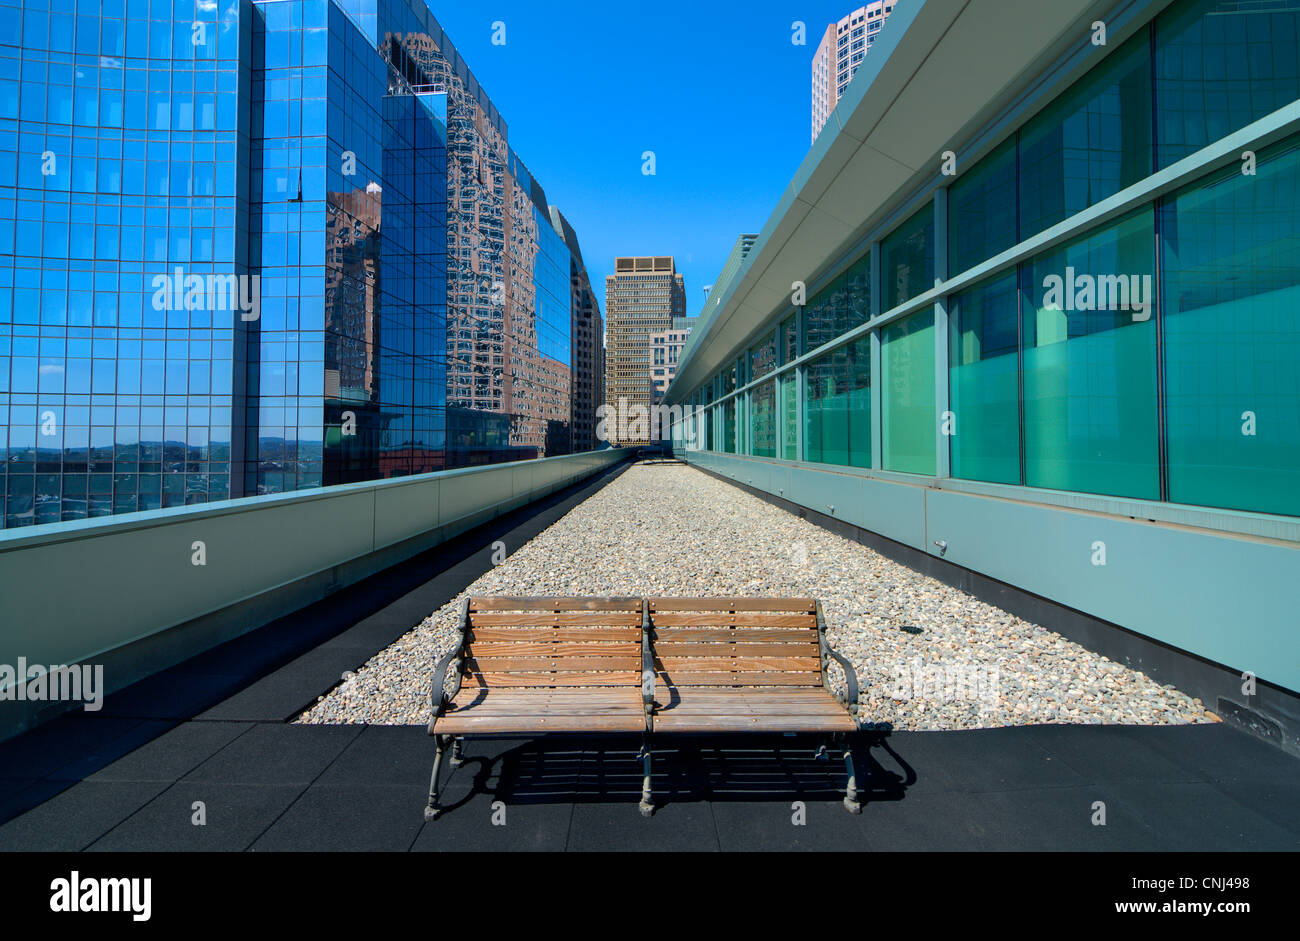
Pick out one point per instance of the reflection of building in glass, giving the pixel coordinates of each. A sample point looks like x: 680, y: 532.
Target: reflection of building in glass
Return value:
x: 508, y: 317
x: 325, y: 155
x: 587, y: 340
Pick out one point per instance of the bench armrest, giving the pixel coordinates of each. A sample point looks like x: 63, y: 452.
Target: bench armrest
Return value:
x: 647, y: 663
x: 438, y: 697
x: 850, y: 675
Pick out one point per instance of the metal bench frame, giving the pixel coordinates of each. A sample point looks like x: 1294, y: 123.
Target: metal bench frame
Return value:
x: 440, y: 699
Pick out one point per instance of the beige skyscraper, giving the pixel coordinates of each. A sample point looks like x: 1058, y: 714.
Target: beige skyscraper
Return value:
x: 642, y: 297
x: 843, y: 47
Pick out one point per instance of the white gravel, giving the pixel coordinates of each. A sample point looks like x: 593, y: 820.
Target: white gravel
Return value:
x: 668, y: 529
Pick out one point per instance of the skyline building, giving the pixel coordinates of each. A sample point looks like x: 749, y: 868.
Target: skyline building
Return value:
x: 587, y: 342
x: 843, y: 46
x: 642, y: 297
x: 381, y: 290
x: 666, y: 350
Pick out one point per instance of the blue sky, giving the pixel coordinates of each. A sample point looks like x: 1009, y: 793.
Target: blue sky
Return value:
x: 718, y: 92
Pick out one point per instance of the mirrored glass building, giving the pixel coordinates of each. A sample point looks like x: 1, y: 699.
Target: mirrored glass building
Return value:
x: 254, y: 247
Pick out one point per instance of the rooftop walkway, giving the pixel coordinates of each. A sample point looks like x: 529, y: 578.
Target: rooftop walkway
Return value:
x: 216, y: 730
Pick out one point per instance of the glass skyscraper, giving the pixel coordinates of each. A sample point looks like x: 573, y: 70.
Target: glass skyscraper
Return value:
x: 252, y: 247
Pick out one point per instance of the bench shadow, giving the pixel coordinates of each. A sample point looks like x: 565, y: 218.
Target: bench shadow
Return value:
x: 685, y: 769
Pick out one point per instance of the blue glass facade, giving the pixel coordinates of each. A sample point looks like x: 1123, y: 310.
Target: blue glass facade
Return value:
x: 224, y: 231
x: 123, y: 155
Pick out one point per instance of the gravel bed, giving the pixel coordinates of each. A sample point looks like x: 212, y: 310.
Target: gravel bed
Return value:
x: 668, y: 529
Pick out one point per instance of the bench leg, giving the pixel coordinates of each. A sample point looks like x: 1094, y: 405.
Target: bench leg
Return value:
x: 647, y: 805
x: 432, y: 809
x: 851, y: 788
x: 457, y: 757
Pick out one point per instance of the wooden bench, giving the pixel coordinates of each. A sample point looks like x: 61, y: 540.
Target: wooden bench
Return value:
x: 536, y: 666
x: 728, y: 665
x: 672, y: 666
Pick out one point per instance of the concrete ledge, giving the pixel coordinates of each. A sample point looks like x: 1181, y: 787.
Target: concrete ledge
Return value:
x: 124, y: 592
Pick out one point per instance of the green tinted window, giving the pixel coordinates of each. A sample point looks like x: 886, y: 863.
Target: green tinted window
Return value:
x: 909, y: 423
x: 907, y: 259
x: 983, y: 382
x: 1231, y: 307
x: 789, y: 341
x: 1220, y: 66
x: 763, y: 419
x: 837, y: 406
x: 789, y: 417
x: 840, y: 306
x: 1090, y: 364
x: 762, y: 356
x: 982, y: 210
x: 1091, y: 142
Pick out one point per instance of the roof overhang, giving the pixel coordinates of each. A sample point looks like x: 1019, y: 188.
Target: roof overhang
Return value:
x: 939, y: 72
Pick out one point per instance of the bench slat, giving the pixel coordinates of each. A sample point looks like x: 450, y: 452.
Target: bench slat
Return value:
x: 805, y: 605
x: 549, y: 664
x: 548, y: 634
x: 773, y: 678
x: 738, y: 664
x: 554, y: 604
x: 540, y: 679
x: 734, y: 634
x: 740, y: 619
x: 613, y: 619
x: 581, y: 651
x: 731, y: 723
x: 713, y: 651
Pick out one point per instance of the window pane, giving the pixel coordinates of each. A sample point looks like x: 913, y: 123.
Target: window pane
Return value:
x: 762, y: 357
x: 982, y: 210
x: 837, y: 406
x: 840, y: 306
x: 907, y: 259
x: 1089, y: 143
x: 789, y: 417
x: 789, y: 341
x: 1090, y: 364
x: 907, y: 387
x: 1231, y: 309
x: 763, y: 418
x: 1220, y: 66
x: 983, y: 382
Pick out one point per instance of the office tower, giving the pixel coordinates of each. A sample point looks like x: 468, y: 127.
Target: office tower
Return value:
x: 665, y: 350
x: 839, y: 54
x: 642, y: 297
x: 587, y: 340
x: 253, y: 247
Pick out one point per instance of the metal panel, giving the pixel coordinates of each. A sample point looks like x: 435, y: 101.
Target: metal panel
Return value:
x: 74, y: 598
x: 405, y: 511
x: 1217, y: 596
